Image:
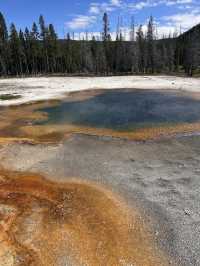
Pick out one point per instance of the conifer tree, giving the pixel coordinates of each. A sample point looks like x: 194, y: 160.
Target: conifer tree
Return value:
x: 15, y: 51
x: 106, y: 29
x: 35, y: 49
x: 44, y: 38
x: 43, y: 29
x: 52, y: 48
x: 4, y: 53
x: 23, y: 56
x: 39, y: 50
x: 150, y: 46
x: 141, y: 50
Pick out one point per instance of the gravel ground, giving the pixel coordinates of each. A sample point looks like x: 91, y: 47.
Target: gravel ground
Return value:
x: 161, y: 178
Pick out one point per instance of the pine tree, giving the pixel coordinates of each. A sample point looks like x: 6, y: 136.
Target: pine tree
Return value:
x: 52, y: 48
x: 16, y: 52
x: 163, y: 58
x: 40, y: 51
x: 120, y: 64
x: 94, y: 49
x: 132, y: 30
x: 171, y: 58
x: 106, y: 29
x: 101, y: 60
x: 86, y: 57
x: 141, y: 50
x: 106, y: 38
x: 68, y: 53
x: 35, y: 33
x: 4, y: 53
x: 150, y: 46
x: 23, y: 56
x: 44, y: 38
x: 43, y: 29
x: 35, y: 49
x: 192, y: 52
x: 28, y: 49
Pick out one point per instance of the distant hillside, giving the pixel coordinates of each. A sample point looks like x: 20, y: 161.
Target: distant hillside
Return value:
x: 188, y: 50
x: 193, y: 30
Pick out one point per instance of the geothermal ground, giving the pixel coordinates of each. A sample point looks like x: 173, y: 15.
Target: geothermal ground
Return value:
x: 18, y: 91
x: 91, y: 176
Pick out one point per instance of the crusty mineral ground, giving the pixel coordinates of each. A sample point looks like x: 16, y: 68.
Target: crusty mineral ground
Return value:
x: 76, y: 223
x: 26, y: 90
x: 128, y: 203
x: 159, y: 178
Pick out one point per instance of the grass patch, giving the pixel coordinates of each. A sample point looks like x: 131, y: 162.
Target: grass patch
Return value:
x: 6, y: 97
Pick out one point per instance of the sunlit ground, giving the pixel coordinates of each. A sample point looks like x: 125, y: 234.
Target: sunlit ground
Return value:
x: 76, y: 223
x: 82, y: 223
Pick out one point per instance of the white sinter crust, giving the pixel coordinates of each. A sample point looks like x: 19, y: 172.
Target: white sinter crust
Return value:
x: 44, y: 88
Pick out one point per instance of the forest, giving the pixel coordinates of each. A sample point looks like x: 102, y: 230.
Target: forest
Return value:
x: 39, y: 51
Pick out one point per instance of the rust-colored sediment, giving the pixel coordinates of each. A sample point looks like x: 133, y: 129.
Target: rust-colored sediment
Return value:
x: 51, y: 133
x: 76, y: 223
x: 56, y: 133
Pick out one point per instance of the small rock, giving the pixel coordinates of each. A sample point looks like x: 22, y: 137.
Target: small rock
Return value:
x: 187, y: 212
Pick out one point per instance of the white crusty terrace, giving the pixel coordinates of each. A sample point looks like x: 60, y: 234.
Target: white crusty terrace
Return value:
x: 45, y: 88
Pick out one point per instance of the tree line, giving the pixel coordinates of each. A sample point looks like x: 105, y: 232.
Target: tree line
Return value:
x: 39, y: 51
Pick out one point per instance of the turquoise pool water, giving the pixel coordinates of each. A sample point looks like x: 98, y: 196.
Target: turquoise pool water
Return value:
x: 126, y: 109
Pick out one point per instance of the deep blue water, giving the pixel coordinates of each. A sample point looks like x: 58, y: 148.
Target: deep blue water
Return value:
x: 126, y: 110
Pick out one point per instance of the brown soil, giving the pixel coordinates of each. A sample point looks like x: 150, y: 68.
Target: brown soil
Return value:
x: 45, y: 223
